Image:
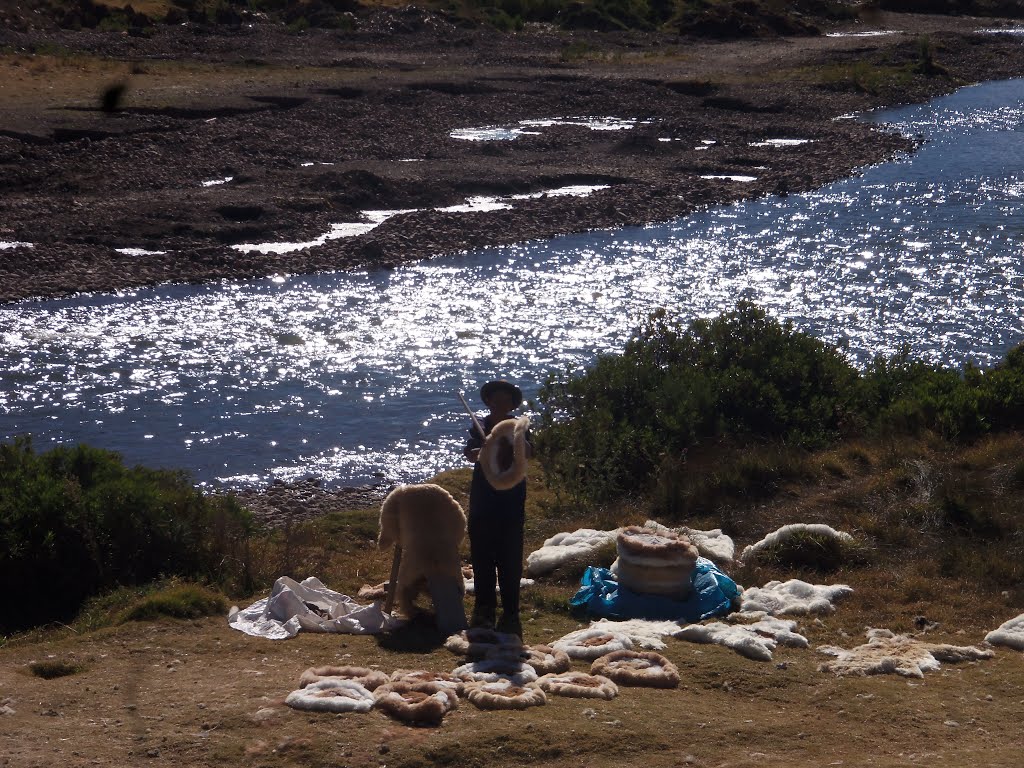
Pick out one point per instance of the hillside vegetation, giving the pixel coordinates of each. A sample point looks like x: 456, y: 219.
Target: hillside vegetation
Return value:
x: 739, y: 422
x: 706, y: 18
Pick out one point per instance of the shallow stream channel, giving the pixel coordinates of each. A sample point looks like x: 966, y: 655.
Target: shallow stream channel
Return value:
x: 353, y: 377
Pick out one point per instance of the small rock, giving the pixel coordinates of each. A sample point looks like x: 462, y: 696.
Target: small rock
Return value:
x: 383, y: 749
x: 264, y: 714
x: 153, y: 752
x: 6, y: 710
x: 952, y: 723
x: 589, y: 713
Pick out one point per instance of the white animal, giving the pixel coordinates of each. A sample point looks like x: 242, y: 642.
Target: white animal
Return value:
x: 429, y: 525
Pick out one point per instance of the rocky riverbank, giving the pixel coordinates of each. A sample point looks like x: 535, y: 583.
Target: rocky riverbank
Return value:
x: 215, y: 138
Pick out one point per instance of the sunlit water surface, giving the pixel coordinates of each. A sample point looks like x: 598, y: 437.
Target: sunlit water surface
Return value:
x: 353, y: 377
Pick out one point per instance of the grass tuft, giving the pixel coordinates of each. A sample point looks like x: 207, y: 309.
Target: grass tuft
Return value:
x: 54, y: 668
x: 181, y: 601
x: 810, y: 551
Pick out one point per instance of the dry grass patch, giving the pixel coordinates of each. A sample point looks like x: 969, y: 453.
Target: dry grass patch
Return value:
x: 50, y: 669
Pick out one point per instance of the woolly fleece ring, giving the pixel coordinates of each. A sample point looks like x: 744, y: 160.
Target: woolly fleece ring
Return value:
x: 505, y: 695
x: 643, y: 546
x: 504, y: 471
x: 368, y: 678
x: 428, y: 682
x: 588, y: 644
x: 375, y: 592
x: 403, y: 701
x: 478, y: 642
x: 543, y: 658
x: 579, y: 685
x: 496, y: 670
x: 331, y: 695
x: 637, y: 668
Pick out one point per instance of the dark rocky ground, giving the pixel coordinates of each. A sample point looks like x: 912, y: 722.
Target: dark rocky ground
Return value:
x: 255, y: 102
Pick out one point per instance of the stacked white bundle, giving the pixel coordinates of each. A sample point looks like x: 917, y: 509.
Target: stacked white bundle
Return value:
x: 654, y: 562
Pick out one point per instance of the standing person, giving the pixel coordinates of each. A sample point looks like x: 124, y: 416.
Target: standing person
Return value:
x: 496, y: 520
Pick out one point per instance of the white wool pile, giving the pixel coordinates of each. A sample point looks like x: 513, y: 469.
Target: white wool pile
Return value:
x: 643, y: 633
x: 495, y: 670
x: 470, y: 585
x: 792, y: 598
x: 566, y: 547
x: 587, y: 644
x: 713, y: 544
x: 332, y: 694
x: 755, y: 641
x: 1010, y: 634
x: 793, y: 529
x: 886, y: 653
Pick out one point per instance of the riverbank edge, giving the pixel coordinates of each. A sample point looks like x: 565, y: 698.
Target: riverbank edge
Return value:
x: 58, y: 269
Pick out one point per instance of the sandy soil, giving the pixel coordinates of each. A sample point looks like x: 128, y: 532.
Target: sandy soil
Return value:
x: 176, y: 692
x: 314, y: 129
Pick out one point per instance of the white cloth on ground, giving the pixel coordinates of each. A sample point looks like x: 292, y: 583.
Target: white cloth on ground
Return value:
x: 308, y: 606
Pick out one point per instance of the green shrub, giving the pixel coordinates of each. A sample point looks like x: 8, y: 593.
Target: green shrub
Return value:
x: 75, y: 522
x: 741, y: 375
x: 624, y: 425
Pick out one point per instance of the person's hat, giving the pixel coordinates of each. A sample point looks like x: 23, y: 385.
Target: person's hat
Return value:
x: 500, y: 385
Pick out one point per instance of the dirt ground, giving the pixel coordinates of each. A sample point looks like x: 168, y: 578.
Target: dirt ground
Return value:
x: 175, y: 692
x: 178, y: 692
x: 309, y: 130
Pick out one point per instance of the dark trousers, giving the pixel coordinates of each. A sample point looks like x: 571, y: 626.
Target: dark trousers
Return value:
x: 496, y: 521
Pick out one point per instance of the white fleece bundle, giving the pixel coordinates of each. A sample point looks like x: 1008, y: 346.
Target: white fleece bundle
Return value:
x: 331, y: 695
x: 887, y: 653
x: 788, y: 531
x: 566, y: 547
x: 713, y: 544
x: 587, y: 644
x: 755, y: 641
x: 578, y: 545
x: 644, y: 633
x: 792, y: 598
x: 1010, y: 633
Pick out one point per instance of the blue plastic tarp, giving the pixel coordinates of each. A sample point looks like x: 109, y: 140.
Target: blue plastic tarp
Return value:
x: 601, y: 595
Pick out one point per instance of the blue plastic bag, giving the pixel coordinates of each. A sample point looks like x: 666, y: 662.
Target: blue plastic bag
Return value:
x: 601, y: 595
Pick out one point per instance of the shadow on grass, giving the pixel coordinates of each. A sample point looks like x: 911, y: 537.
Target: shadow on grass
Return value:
x: 419, y: 635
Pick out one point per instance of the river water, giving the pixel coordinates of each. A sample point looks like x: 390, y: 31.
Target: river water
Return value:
x: 353, y: 377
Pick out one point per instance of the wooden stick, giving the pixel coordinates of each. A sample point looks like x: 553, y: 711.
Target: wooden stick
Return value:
x: 389, y: 602
x: 476, y: 422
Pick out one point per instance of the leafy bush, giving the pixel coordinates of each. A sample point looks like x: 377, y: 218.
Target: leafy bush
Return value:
x: 626, y: 424
x: 742, y: 375
x: 74, y: 522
